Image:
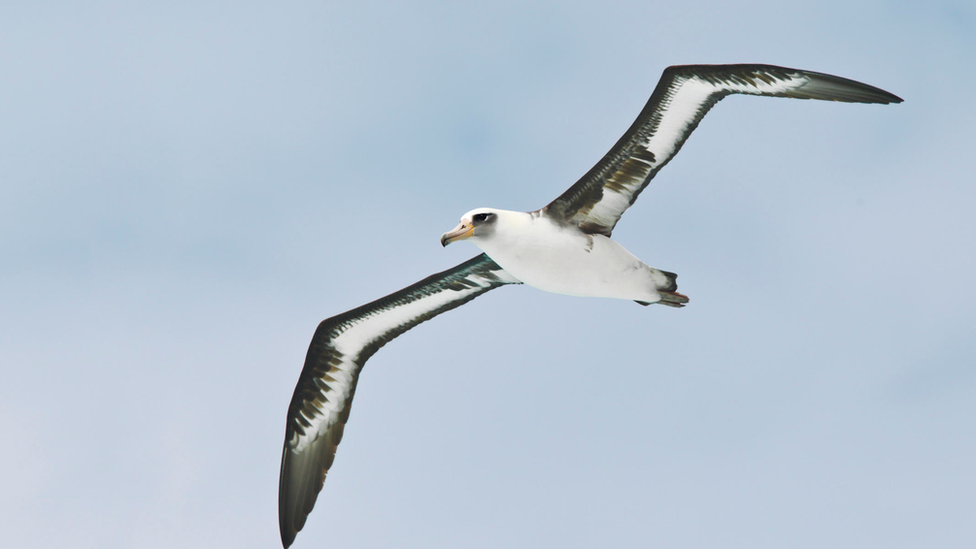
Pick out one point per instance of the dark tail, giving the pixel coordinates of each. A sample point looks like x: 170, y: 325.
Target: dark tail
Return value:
x: 673, y: 299
x: 669, y: 294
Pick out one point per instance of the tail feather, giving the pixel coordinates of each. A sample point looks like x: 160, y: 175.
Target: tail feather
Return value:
x: 668, y: 292
x: 672, y: 281
x: 672, y: 299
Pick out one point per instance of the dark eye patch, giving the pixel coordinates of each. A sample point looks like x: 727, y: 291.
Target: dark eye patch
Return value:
x: 481, y: 217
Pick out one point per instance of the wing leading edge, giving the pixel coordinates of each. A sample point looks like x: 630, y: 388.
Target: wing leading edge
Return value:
x: 681, y: 99
x: 339, y: 349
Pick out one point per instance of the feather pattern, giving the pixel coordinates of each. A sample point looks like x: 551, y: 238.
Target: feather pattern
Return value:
x: 564, y: 248
x: 681, y: 99
x: 340, y: 347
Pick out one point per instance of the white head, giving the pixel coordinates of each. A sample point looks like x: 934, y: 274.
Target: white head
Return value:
x: 478, y: 223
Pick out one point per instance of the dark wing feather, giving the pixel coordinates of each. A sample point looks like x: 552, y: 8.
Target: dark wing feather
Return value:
x: 681, y: 99
x: 339, y: 349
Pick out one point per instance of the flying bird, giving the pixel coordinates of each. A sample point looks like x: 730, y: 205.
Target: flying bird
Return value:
x: 564, y: 247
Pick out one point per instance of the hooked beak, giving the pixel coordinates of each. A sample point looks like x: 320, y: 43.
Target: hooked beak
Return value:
x: 462, y: 231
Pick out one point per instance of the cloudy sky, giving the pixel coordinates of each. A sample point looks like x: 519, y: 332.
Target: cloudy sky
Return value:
x: 188, y: 188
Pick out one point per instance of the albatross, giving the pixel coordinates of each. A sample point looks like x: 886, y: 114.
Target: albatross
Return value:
x: 564, y: 247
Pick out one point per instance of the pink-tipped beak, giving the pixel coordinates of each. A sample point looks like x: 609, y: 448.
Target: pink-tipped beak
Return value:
x: 462, y: 231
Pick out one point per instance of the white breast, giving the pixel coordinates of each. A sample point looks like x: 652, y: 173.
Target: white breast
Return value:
x: 564, y: 260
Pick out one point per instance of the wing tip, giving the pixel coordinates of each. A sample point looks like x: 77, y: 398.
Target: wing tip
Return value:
x: 287, y: 537
x: 822, y: 86
x: 836, y: 88
x: 286, y: 514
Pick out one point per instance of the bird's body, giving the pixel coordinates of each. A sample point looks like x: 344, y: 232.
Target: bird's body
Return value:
x: 564, y: 247
x: 562, y: 259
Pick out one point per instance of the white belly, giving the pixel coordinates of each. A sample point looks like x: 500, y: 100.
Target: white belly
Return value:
x: 566, y: 261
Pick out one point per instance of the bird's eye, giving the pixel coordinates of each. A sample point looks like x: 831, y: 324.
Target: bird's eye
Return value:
x: 480, y: 217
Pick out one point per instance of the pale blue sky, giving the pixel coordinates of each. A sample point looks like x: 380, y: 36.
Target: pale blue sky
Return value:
x: 188, y: 188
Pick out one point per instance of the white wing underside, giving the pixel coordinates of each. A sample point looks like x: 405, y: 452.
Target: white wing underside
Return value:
x: 359, y: 334
x: 682, y: 98
x: 340, y: 347
x: 689, y: 97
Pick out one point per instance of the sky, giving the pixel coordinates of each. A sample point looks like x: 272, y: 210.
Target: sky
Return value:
x: 188, y: 188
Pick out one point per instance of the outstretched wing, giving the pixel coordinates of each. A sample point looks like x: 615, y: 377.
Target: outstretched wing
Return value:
x: 679, y: 102
x: 339, y: 349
